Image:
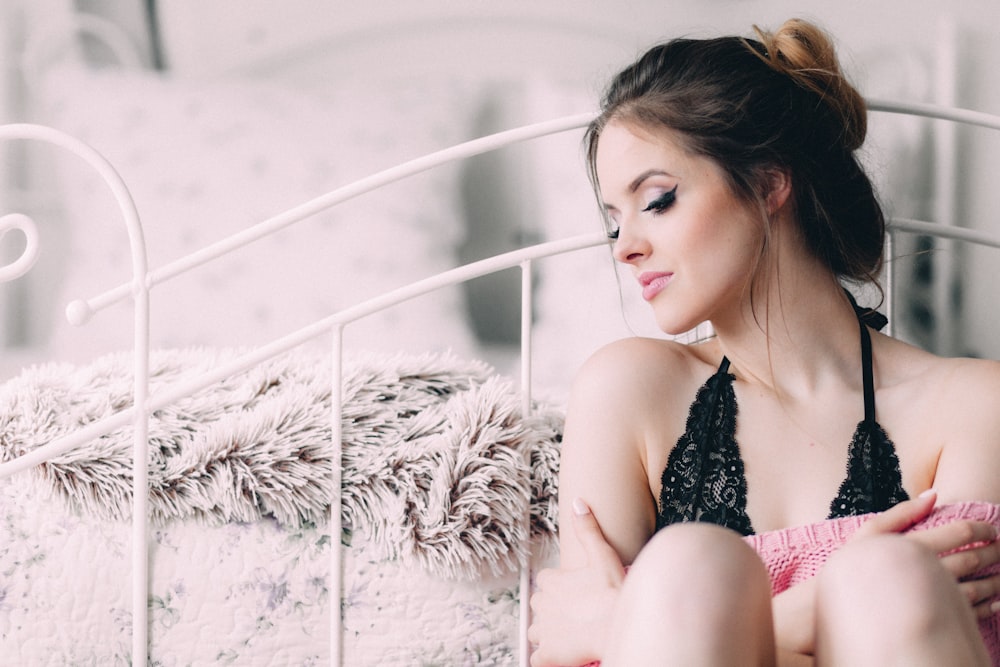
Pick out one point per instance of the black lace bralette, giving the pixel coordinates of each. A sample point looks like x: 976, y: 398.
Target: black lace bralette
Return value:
x: 704, y: 478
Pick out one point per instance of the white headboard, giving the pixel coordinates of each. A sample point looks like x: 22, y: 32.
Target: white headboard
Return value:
x: 421, y: 75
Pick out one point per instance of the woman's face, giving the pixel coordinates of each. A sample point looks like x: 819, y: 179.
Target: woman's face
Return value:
x: 691, y: 243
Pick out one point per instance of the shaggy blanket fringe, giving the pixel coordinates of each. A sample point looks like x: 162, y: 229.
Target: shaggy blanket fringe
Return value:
x: 439, y: 464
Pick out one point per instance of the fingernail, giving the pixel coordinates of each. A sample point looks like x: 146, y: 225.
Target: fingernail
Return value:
x: 579, y: 507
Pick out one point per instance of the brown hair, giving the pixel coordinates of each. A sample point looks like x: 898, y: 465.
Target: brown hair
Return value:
x: 779, y: 102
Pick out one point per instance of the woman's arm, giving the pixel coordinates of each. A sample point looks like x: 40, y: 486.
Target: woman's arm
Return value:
x: 968, y: 466
x: 606, y: 510
x: 603, y: 460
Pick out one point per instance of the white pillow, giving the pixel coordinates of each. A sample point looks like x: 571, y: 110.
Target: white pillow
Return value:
x: 206, y: 159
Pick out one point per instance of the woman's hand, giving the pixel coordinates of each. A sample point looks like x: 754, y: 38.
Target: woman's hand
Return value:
x: 900, y: 517
x: 965, y: 548
x: 572, y: 608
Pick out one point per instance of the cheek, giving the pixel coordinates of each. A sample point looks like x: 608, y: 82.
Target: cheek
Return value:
x: 713, y: 239
x: 726, y: 252
x: 739, y: 235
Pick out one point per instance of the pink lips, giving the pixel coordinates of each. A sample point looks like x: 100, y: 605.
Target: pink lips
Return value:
x: 653, y: 283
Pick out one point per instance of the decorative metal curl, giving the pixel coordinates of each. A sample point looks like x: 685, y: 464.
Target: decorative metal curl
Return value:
x: 139, y: 415
x: 29, y: 255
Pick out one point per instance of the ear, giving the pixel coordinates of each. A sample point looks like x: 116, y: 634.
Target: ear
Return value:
x: 779, y: 189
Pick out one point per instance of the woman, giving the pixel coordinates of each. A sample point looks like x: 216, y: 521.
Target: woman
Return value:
x: 727, y: 172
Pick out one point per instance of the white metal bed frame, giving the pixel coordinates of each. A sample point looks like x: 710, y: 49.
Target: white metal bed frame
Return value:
x: 144, y: 279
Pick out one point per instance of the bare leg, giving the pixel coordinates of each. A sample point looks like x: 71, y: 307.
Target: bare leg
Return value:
x: 696, y: 596
x: 887, y: 601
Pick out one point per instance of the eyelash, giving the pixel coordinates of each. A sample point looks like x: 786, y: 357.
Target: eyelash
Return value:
x: 612, y: 233
x: 663, y: 202
x: 656, y: 207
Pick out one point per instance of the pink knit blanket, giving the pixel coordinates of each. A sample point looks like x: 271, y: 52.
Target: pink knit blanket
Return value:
x: 795, y: 554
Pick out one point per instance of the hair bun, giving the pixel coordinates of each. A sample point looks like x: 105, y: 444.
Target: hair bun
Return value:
x: 806, y: 54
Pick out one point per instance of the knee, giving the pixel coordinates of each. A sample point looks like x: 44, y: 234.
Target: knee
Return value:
x: 882, y: 577
x: 699, y: 562
x: 700, y: 590
x: 886, y: 600
x: 685, y: 544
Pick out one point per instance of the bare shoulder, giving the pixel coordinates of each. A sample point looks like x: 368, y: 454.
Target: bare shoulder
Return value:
x: 620, y: 406
x: 967, y: 392
x: 634, y: 368
x: 958, y: 385
x: 970, y: 459
x: 639, y: 390
x: 958, y: 401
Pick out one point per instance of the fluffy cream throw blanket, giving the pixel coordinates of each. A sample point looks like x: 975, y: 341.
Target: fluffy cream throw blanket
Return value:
x: 439, y: 462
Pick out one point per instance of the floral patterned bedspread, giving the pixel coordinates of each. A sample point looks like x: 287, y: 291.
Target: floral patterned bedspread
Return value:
x: 239, y: 594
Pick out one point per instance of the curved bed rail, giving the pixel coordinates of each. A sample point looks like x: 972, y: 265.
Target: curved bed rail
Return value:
x: 138, y: 416
x: 80, y: 311
x: 144, y: 279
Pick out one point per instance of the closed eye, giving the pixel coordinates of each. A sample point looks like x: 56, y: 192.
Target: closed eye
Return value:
x: 611, y: 224
x: 612, y: 228
x: 663, y: 202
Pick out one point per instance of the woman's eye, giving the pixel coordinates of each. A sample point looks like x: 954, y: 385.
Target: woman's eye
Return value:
x: 663, y: 202
x: 611, y: 225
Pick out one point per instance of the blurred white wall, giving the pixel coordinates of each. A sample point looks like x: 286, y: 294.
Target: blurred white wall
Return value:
x: 920, y: 50
x: 227, y: 34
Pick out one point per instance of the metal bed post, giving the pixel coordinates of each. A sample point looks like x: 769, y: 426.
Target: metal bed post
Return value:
x: 890, y: 300
x: 138, y: 289
x: 336, y: 527
x: 524, y: 591
x: 140, y: 478
x: 944, y: 180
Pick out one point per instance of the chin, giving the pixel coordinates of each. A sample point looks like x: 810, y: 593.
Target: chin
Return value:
x: 677, y: 326
x: 676, y: 317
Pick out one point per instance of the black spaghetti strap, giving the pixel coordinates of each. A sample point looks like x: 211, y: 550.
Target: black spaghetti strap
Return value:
x: 869, y: 316
x: 867, y: 374
x: 724, y: 366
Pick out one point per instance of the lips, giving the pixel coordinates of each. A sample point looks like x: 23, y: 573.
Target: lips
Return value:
x: 653, y: 283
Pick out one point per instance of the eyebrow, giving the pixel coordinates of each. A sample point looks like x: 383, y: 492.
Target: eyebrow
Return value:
x: 637, y: 183
x: 641, y: 178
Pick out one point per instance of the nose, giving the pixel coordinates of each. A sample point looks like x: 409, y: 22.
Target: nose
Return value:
x: 630, y: 246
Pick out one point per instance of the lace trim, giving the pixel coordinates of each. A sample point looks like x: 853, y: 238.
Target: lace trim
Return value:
x: 874, y: 482
x: 704, y: 478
